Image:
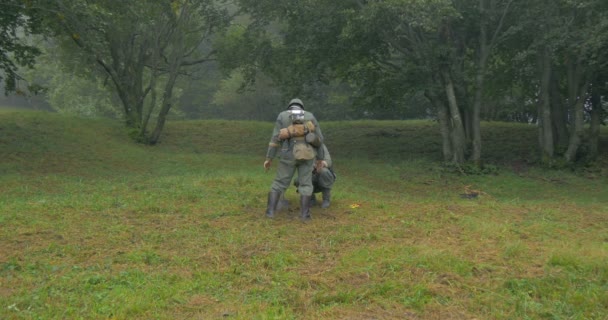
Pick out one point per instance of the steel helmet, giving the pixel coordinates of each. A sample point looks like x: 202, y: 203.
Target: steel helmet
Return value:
x: 296, y: 103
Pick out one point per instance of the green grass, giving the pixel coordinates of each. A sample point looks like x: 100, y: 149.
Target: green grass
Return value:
x: 93, y: 226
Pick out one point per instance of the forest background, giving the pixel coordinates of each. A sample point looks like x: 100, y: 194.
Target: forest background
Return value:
x: 459, y: 62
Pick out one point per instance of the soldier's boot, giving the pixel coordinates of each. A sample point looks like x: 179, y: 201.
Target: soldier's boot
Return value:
x: 273, y: 199
x: 305, y: 208
x: 313, y: 200
x: 326, y: 198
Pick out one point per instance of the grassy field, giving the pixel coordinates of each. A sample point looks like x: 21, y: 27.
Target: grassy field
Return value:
x: 93, y: 226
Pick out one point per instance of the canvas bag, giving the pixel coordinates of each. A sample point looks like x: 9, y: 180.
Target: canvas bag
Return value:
x: 303, y: 151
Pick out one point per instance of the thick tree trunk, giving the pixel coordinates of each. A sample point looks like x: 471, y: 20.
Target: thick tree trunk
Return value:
x: 148, y: 113
x: 444, y: 124
x: 444, y: 127
x: 174, y: 68
x: 128, y: 88
x: 544, y: 108
x: 476, y: 123
x: 479, y: 85
x: 476, y: 119
x: 154, y: 75
x: 457, y: 135
x: 576, y: 136
x: 167, y: 104
x: 577, y: 95
x: 131, y: 106
x: 467, y: 122
x: 127, y: 77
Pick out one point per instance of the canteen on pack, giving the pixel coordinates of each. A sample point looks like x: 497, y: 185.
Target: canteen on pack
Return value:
x: 313, y: 139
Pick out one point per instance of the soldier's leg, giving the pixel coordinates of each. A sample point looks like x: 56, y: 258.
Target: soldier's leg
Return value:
x: 305, y: 208
x: 315, y: 189
x: 304, y: 168
x: 271, y: 205
x: 281, y: 181
x: 285, y: 171
x: 326, y: 181
x: 305, y: 187
x: 326, y: 198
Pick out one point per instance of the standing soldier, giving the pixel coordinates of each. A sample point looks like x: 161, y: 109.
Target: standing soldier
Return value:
x: 299, y: 136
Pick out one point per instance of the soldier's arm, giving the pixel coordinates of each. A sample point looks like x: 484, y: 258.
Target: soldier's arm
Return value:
x: 274, y: 143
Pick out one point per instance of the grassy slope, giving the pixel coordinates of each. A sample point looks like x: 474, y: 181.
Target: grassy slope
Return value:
x: 94, y: 226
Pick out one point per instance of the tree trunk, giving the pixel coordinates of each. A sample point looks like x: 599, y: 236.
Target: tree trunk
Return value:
x: 577, y: 95
x: 174, y: 68
x: 167, y: 104
x: 128, y: 64
x: 130, y: 101
x: 444, y: 125
x: 479, y: 85
x: 154, y: 75
x: 544, y: 108
x: 576, y: 136
x: 144, y: 127
x: 476, y: 119
x: 476, y: 131
x: 458, y: 138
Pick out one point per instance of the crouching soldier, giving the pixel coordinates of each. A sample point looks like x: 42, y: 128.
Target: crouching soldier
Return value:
x: 323, y: 178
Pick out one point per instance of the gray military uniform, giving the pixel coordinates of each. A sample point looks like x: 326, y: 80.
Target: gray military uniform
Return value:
x: 324, y: 178
x: 288, y: 164
x: 295, y: 133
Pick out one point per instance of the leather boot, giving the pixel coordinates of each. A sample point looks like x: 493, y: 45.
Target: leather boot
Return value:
x: 305, y: 208
x: 273, y: 199
x: 326, y: 198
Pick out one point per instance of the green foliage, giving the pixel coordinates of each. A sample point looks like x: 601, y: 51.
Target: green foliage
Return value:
x: 396, y: 58
x: 326, y: 41
x: 141, y: 49
x: 15, y: 26
x: 72, y: 90
x: 260, y: 102
x: 235, y: 46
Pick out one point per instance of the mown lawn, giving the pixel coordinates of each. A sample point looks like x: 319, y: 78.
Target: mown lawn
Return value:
x: 93, y: 226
